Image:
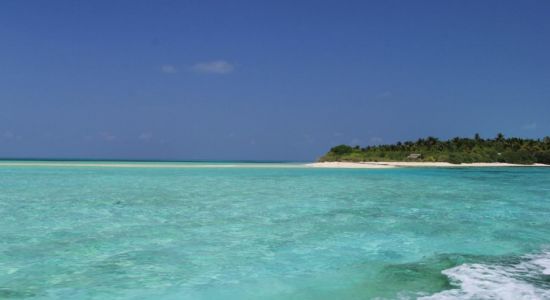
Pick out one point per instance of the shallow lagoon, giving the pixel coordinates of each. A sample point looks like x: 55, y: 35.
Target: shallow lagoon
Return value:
x: 273, y: 231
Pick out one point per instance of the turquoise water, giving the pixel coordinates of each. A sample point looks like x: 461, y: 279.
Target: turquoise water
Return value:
x: 273, y: 232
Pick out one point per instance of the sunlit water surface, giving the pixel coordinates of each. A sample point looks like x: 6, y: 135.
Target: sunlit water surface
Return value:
x: 273, y: 232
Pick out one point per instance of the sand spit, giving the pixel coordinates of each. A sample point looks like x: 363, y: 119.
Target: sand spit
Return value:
x: 384, y: 165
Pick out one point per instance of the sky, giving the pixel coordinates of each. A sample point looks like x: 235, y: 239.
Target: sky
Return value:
x: 265, y: 80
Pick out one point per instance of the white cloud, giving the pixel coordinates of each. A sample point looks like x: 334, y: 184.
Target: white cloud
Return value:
x: 168, y: 69
x: 384, y: 95
x: 308, y: 138
x: 376, y: 140
x: 529, y: 126
x: 356, y: 141
x: 107, y: 136
x: 214, y: 67
x: 7, y: 135
x: 145, y: 136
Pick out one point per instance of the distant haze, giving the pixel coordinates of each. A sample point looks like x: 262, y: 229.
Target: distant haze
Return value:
x: 265, y: 80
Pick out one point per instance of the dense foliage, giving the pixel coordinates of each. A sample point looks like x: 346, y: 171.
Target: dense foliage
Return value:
x: 456, y: 150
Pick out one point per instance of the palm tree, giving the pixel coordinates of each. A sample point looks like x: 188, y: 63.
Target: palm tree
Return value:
x: 432, y: 141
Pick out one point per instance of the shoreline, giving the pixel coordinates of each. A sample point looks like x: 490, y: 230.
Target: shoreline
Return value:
x: 184, y: 165
x: 406, y: 164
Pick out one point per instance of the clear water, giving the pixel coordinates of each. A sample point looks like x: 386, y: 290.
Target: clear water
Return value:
x: 273, y: 232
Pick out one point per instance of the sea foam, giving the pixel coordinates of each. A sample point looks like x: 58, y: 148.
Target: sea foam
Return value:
x: 522, y: 280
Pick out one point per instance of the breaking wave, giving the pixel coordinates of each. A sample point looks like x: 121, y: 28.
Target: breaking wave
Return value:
x: 526, y: 278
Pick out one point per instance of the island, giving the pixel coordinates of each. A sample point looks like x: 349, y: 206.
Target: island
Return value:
x: 476, y: 151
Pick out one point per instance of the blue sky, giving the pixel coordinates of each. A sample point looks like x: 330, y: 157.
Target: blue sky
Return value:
x: 279, y: 80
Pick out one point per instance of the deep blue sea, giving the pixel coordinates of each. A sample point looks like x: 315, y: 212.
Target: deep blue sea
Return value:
x: 272, y: 231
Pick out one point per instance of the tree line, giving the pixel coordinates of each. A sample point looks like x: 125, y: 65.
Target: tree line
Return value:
x: 456, y: 150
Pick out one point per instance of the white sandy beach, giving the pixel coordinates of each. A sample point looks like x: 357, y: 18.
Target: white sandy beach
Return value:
x: 384, y: 165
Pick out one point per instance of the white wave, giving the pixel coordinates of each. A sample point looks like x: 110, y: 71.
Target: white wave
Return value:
x: 494, y: 281
x: 543, y: 262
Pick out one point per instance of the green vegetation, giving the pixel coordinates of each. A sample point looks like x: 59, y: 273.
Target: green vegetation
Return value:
x: 456, y: 151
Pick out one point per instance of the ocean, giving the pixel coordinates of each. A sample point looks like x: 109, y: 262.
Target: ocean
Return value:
x: 272, y: 231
